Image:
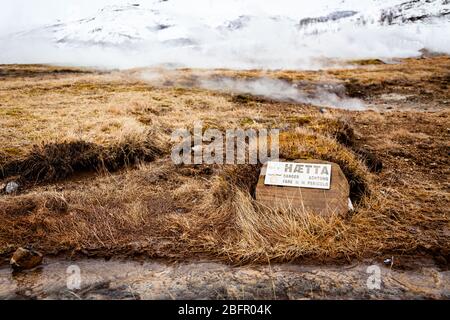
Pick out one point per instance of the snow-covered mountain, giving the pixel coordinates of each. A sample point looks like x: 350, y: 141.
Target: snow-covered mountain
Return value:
x: 416, y: 10
x: 133, y: 23
x: 249, y: 31
x: 409, y: 12
x: 112, y: 25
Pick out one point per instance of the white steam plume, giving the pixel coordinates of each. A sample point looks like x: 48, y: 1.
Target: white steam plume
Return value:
x: 329, y: 95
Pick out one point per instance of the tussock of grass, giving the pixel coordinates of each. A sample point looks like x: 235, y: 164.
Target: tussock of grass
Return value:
x: 283, y: 235
x: 234, y: 226
x: 57, y: 161
x: 306, y: 144
x: 338, y: 128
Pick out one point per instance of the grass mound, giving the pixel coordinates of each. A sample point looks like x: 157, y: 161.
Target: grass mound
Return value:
x: 57, y: 161
x: 232, y: 224
x: 306, y: 144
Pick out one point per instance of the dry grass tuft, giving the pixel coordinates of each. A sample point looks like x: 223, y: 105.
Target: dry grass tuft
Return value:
x: 284, y: 235
x: 306, y: 144
x: 57, y: 161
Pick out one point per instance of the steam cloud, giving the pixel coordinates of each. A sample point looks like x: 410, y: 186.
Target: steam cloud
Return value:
x: 284, y: 91
x: 264, y: 43
x: 256, y: 35
x: 326, y: 95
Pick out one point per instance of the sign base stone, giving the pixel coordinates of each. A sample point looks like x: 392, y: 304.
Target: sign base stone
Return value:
x: 320, y: 201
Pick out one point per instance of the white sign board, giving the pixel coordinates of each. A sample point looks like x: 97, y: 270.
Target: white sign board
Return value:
x: 295, y: 174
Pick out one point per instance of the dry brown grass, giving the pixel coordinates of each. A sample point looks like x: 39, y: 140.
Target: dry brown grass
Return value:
x: 56, y: 161
x: 53, y: 128
x: 421, y: 80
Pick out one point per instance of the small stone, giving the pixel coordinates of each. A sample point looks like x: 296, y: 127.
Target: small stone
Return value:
x: 350, y: 205
x: 11, y: 187
x: 24, y: 259
x: 389, y: 261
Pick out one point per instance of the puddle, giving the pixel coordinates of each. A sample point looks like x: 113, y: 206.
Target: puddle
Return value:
x: 114, y: 279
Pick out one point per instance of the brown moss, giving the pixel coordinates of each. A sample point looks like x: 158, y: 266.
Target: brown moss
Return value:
x: 299, y: 120
x: 367, y: 62
x: 246, y: 99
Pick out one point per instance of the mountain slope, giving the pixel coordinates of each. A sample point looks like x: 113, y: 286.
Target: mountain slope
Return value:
x: 119, y: 25
x: 250, y: 34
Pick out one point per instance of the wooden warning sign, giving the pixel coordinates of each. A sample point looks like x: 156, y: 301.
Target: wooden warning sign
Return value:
x: 307, y: 185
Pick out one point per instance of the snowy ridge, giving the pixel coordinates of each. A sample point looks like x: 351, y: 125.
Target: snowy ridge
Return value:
x: 404, y: 13
x: 127, y: 24
x: 275, y: 34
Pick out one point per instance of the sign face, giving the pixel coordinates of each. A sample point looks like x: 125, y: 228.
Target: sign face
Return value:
x: 295, y: 174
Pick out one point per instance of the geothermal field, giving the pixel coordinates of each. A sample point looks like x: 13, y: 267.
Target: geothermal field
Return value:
x: 89, y: 184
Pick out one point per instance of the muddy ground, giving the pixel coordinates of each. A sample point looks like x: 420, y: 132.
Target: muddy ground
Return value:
x: 133, y: 280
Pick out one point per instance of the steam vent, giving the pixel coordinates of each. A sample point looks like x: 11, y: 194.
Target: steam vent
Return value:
x: 298, y: 186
